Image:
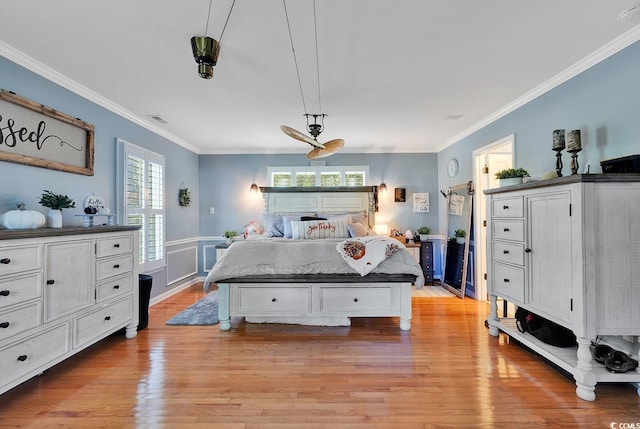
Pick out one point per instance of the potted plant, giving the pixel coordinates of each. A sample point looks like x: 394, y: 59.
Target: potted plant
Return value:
x: 423, y: 231
x: 460, y: 235
x: 511, y: 176
x: 229, y: 236
x: 55, y: 203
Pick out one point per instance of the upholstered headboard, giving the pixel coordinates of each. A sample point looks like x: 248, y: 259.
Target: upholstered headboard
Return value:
x: 351, y: 199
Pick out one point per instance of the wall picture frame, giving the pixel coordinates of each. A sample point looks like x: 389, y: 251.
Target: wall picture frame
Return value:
x: 37, y: 135
x: 400, y: 195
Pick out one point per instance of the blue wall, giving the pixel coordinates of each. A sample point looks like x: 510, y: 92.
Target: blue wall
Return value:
x: 603, y: 102
x: 22, y: 183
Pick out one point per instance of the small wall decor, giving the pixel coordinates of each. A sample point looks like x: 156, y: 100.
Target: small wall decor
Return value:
x: 33, y: 134
x: 421, y: 202
x: 401, y: 195
x: 184, y: 196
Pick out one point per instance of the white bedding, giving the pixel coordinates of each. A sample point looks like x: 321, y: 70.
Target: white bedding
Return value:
x: 285, y: 256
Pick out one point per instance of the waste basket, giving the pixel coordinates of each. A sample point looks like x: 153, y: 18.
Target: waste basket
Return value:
x: 144, y: 284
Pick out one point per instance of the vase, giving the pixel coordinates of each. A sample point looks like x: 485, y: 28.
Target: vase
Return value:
x: 511, y: 181
x: 54, y: 218
x: 460, y: 240
x: 229, y: 240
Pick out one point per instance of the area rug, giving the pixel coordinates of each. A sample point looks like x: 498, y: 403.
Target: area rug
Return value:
x: 203, y: 312
x: 431, y: 292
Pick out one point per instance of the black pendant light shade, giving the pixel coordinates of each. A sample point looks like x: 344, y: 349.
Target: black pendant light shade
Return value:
x: 205, y: 52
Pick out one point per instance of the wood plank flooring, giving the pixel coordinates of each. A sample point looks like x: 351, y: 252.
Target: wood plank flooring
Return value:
x: 446, y: 372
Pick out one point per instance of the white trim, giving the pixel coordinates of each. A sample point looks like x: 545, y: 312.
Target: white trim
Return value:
x: 171, y: 292
x: 48, y: 73
x: 205, y: 248
x: 182, y: 241
x: 587, y: 62
x: 195, y: 263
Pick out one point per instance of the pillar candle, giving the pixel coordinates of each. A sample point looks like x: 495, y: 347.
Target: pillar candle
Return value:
x: 573, y: 140
x: 558, y: 139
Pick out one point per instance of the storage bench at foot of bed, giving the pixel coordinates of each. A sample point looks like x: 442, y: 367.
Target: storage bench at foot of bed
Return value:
x: 325, y: 301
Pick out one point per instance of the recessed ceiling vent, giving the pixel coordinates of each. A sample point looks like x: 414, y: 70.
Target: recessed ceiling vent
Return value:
x: 158, y: 118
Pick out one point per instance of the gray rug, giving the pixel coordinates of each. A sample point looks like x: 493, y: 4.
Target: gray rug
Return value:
x: 203, y: 312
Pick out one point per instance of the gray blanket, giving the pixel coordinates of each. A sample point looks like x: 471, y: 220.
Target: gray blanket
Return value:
x: 284, y: 256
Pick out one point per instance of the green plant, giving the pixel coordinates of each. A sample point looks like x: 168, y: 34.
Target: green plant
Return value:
x: 461, y: 233
x: 230, y: 234
x: 510, y: 173
x: 56, y: 201
x: 425, y: 230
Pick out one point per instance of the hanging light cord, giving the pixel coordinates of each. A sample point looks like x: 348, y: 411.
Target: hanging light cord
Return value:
x: 295, y: 59
x: 206, y: 31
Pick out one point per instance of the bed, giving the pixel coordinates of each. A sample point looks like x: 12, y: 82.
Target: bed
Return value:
x: 321, y: 281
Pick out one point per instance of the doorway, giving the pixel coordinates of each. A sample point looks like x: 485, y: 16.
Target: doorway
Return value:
x: 487, y: 161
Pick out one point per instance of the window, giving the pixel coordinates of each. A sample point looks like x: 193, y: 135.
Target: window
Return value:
x: 318, y: 176
x: 140, y: 187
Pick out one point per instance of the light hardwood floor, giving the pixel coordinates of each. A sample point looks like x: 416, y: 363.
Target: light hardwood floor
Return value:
x: 446, y: 372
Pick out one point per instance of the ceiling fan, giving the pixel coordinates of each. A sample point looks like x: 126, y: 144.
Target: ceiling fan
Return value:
x: 320, y: 150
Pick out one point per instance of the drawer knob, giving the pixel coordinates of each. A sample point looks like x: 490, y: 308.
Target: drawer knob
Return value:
x: 116, y: 266
x: 355, y: 299
x: 22, y: 358
x: 5, y: 261
x: 505, y: 207
x: 116, y: 286
x: 273, y: 300
x: 505, y: 251
x: 50, y: 282
x: 4, y: 292
x: 4, y: 325
x: 506, y: 230
x: 506, y: 280
x: 116, y: 245
x: 527, y: 250
x: 107, y: 318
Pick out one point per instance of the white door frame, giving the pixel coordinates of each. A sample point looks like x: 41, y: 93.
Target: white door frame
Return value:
x: 480, y: 179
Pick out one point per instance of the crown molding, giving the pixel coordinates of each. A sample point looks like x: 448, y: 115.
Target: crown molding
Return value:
x: 48, y: 73
x: 587, y: 62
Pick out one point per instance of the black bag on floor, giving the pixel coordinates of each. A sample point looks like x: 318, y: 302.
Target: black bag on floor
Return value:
x: 543, y: 329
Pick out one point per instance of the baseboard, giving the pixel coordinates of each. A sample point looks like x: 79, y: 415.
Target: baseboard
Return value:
x: 173, y: 291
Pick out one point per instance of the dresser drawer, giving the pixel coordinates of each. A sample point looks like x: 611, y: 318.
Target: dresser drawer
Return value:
x: 512, y: 253
x: 113, y: 266
x: 356, y: 299
x: 20, y: 258
x: 20, y: 288
x: 19, y: 319
x: 507, y: 207
x: 31, y: 353
x: 113, y: 287
x: 280, y: 300
x: 508, y: 230
x: 508, y: 282
x: 105, y: 319
x: 114, y: 246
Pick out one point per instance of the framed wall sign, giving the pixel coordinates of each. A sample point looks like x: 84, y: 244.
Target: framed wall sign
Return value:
x: 33, y: 134
x: 421, y: 202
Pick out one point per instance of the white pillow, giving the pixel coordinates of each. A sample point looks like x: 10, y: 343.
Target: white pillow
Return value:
x: 316, y: 229
x: 357, y: 229
x: 364, y: 254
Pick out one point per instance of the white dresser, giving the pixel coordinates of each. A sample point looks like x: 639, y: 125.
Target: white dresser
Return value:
x: 568, y: 249
x: 62, y: 290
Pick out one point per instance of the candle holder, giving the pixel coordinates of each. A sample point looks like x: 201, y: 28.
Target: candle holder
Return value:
x: 558, y: 160
x: 574, y: 160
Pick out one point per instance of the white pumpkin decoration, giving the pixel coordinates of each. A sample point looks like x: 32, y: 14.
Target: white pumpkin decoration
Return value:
x: 22, y: 219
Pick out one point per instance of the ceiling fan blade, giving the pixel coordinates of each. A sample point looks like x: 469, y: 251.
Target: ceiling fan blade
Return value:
x: 330, y: 148
x: 300, y: 136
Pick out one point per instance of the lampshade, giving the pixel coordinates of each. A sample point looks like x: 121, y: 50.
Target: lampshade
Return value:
x: 382, y: 188
x: 254, y: 188
x: 381, y: 228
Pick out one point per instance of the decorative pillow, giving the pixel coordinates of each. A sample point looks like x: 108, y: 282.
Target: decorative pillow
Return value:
x: 357, y: 230
x: 273, y: 225
x: 364, y: 254
x: 286, y: 220
x: 359, y: 218
x: 316, y: 229
x: 312, y: 218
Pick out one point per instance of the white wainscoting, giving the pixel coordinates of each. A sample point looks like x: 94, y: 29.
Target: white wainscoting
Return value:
x: 182, y: 263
